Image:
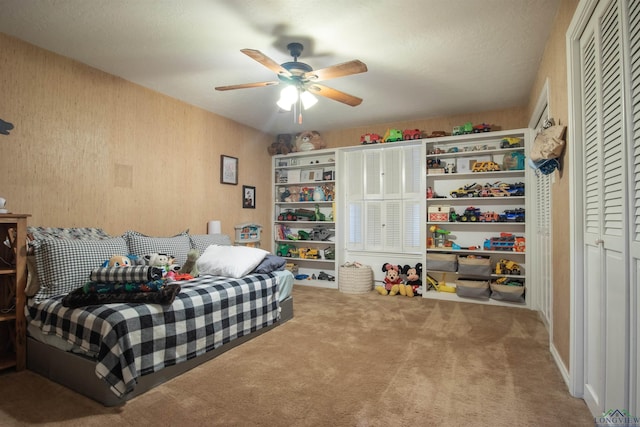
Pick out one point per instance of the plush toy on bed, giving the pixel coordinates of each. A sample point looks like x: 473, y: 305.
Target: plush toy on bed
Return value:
x: 309, y: 140
x: 191, y: 267
x: 118, y: 261
x: 413, y: 280
x: 163, y: 261
x: 392, y: 280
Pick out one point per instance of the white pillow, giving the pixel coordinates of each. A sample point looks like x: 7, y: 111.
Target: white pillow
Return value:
x: 230, y: 261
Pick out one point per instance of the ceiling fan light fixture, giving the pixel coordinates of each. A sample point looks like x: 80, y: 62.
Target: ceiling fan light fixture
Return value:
x: 288, y: 97
x: 308, y: 100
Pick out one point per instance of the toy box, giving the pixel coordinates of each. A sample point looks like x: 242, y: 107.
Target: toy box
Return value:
x: 507, y: 293
x: 442, y: 262
x: 472, y: 288
x: 438, y: 213
x: 474, y: 265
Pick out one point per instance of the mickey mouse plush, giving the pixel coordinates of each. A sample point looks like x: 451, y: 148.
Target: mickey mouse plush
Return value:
x: 413, y: 283
x: 392, y: 280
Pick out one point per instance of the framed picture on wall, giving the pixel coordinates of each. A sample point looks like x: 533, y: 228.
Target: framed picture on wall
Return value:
x: 248, y: 197
x: 228, y: 170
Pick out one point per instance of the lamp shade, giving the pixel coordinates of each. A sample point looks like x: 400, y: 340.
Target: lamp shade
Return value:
x: 308, y: 100
x: 288, y: 97
x: 213, y: 227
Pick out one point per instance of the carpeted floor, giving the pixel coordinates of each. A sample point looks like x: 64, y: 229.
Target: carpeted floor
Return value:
x: 345, y: 360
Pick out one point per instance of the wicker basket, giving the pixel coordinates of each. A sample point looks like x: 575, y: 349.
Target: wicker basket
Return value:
x: 355, y: 280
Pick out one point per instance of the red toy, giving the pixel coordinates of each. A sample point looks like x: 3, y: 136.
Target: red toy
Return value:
x: 370, y: 138
x: 408, y: 134
x: 392, y: 280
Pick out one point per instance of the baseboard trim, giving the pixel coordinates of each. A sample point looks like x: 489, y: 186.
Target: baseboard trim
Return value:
x: 566, y: 376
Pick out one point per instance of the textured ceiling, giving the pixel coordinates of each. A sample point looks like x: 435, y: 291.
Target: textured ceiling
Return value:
x: 426, y: 58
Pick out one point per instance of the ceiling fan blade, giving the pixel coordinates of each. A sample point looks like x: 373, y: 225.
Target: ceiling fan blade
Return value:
x: 246, y: 85
x: 334, y: 94
x: 266, y: 61
x: 335, y: 71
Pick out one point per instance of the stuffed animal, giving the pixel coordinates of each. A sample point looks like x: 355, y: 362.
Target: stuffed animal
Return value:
x: 392, y: 280
x: 118, y: 261
x: 413, y: 280
x: 163, y: 261
x: 190, y: 267
x: 309, y: 140
x: 283, y: 145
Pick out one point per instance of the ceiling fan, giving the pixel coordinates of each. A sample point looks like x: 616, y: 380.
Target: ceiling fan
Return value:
x: 302, y: 76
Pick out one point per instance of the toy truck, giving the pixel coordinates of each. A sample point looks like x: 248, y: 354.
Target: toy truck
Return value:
x: 482, y: 128
x: 409, y: 134
x: 511, y: 142
x: 506, y: 266
x: 470, y: 190
x: 503, y: 243
x: 513, y: 215
x: 392, y: 135
x: 489, y: 217
x: 470, y: 214
x: 370, y: 138
x: 485, y: 167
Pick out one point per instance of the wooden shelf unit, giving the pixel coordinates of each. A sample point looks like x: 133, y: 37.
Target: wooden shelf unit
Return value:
x: 13, y: 278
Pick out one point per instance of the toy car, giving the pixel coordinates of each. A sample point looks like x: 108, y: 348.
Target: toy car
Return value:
x: 485, y: 167
x: 437, y: 134
x: 408, y: 134
x: 510, y: 142
x: 470, y: 190
x: 285, y: 250
x: 513, y: 215
x: 392, y: 135
x: 506, y: 266
x: 470, y: 214
x: 482, y: 128
x: 370, y: 138
x: 489, y: 217
x: 287, y: 216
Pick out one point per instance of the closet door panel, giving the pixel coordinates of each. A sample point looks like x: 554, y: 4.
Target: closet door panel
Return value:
x: 633, y: 13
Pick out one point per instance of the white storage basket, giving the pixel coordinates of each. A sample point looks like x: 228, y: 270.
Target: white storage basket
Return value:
x: 354, y: 279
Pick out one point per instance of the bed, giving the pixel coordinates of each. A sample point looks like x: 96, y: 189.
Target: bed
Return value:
x: 114, y: 352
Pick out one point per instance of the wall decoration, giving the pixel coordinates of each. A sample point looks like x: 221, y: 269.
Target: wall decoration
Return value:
x: 248, y: 197
x: 5, y: 127
x: 228, y: 170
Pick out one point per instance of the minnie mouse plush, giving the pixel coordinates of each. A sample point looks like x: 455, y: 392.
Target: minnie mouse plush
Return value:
x: 392, y: 280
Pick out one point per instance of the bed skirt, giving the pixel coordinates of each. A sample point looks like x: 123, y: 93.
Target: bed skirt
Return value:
x: 78, y: 372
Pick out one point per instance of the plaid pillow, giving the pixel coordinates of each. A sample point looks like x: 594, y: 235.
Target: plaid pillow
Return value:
x: 39, y: 233
x: 64, y: 265
x: 141, y: 245
x: 202, y: 241
x: 74, y: 233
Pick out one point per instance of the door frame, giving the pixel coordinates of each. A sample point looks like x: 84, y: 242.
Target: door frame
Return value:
x: 541, y: 107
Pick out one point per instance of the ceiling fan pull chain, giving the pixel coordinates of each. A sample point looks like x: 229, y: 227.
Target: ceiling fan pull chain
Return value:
x: 300, y: 110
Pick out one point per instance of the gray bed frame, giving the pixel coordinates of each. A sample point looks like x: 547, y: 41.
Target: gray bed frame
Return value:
x: 78, y: 372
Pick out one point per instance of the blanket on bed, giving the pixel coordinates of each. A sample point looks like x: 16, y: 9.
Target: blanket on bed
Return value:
x: 81, y: 298
x: 132, y: 340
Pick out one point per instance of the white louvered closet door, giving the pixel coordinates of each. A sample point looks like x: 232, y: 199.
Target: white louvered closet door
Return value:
x: 543, y: 276
x: 606, y: 370
x: 633, y: 12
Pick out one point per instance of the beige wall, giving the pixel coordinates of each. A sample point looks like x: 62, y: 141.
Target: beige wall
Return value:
x: 554, y: 68
x: 91, y: 149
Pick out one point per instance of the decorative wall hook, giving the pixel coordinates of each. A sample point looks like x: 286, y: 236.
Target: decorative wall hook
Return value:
x: 5, y: 127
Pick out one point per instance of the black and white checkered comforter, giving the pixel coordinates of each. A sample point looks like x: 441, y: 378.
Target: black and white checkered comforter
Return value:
x: 132, y: 340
